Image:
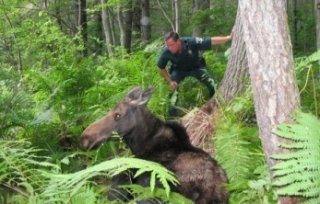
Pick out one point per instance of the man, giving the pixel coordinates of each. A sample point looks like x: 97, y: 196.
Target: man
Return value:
x: 183, y: 53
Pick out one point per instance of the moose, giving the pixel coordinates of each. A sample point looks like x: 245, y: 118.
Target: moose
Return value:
x: 200, y: 177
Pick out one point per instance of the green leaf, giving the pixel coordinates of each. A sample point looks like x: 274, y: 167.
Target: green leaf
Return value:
x: 298, y: 171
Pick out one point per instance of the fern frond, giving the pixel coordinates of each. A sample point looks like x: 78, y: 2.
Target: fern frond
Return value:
x: 20, y: 167
x: 233, y: 150
x: 298, y: 173
x: 86, y: 195
x: 304, y: 62
x: 70, y: 183
x: 142, y: 193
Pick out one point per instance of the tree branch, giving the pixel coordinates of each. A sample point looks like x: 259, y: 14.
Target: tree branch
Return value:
x: 166, y: 16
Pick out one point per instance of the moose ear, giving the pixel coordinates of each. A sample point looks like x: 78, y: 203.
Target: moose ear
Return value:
x: 137, y: 97
x: 134, y: 94
x: 145, y: 96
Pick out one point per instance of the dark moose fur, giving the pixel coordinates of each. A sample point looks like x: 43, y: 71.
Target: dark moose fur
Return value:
x: 201, y: 178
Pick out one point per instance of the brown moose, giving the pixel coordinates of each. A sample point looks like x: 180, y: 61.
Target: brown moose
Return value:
x: 201, y: 178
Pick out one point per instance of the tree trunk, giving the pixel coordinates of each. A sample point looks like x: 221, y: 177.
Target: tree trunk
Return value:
x: 294, y: 26
x: 14, y: 43
x: 121, y: 25
x: 128, y: 25
x: 199, y: 5
x: 98, y: 32
x: 271, y: 68
x: 176, y: 16
x: 236, y: 76
x: 57, y: 12
x: 125, y: 24
x: 145, y: 21
x: 136, y: 22
x: 82, y: 24
x: 45, y: 3
x: 107, y: 29
x: 317, y: 14
x: 112, y: 20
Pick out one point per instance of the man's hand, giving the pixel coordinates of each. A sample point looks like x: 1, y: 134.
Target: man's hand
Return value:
x: 165, y: 75
x: 173, y: 85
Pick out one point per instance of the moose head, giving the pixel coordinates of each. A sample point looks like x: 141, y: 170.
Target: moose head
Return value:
x: 123, y: 119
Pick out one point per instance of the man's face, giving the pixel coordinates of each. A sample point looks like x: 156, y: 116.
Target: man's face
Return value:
x: 173, y: 46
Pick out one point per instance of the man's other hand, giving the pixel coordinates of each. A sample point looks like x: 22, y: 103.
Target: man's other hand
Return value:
x: 173, y: 85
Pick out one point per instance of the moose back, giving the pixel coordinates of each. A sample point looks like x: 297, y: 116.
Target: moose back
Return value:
x: 201, y: 178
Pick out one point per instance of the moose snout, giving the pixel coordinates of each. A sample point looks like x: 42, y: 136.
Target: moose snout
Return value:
x: 92, y: 141
x: 85, y: 142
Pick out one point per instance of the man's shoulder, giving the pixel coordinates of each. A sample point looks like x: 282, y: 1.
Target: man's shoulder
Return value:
x: 165, y: 52
x: 193, y: 41
x: 187, y: 38
x: 201, y: 43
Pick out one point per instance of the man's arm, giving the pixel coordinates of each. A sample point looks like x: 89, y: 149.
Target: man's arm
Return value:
x: 166, y: 77
x: 220, y: 39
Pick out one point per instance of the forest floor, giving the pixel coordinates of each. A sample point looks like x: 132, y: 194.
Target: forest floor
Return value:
x: 200, y: 125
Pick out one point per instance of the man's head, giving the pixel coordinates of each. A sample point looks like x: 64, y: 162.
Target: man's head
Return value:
x: 173, y: 42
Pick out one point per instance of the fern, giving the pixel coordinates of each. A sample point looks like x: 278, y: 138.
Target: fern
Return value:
x: 86, y: 195
x: 234, y: 151
x: 238, y: 149
x: 71, y: 183
x: 20, y: 168
x: 257, y: 190
x: 307, y: 71
x: 142, y: 193
x: 298, y: 173
x: 15, y: 109
x: 303, y: 62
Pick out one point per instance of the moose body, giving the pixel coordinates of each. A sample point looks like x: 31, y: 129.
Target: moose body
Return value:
x: 200, y: 178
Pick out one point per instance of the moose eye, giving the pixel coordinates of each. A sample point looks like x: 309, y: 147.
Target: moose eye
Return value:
x: 116, y: 116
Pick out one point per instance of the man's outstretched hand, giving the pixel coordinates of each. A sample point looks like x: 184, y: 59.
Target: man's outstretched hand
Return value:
x: 173, y: 85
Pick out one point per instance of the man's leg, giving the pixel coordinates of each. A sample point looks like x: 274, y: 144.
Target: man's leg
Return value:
x: 205, y: 77
x: 176, y: 76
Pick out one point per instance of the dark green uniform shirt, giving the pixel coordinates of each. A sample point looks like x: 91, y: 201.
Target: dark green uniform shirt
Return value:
x: 189, y: 58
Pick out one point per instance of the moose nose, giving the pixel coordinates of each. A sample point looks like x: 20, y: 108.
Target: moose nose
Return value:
x: 85, y: 142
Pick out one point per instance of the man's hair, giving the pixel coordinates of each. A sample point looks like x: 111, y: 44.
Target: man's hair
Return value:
x: 171, y: 35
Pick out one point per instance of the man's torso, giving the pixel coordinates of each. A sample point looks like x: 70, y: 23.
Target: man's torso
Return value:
x: 189, y: 57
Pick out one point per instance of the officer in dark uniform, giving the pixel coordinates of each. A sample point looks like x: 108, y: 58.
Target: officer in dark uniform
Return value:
x: 185, y: 58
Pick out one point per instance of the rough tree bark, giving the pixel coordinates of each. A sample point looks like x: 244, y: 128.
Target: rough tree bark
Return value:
x: 236, y: 76
x: 107, y: 28
x: 145, y: 21
x: 294, y: 25
x: 112, y: 20
x: 176, y: 16
x: 128, y: 16
x: 136, y: 24
x: 124, y: 13
x: 98, y: 45
x: 271, y: 68
x: 317, y: 14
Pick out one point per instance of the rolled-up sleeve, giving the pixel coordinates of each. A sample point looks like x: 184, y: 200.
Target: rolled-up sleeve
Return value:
x: 203, y: 43
x: 162, y: 60
x: 200, y: 43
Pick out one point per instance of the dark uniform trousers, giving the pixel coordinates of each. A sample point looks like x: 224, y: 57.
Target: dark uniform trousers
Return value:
x: 202, y: 74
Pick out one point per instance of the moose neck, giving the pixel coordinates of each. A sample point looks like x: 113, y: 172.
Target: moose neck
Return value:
x: 146, y: 126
